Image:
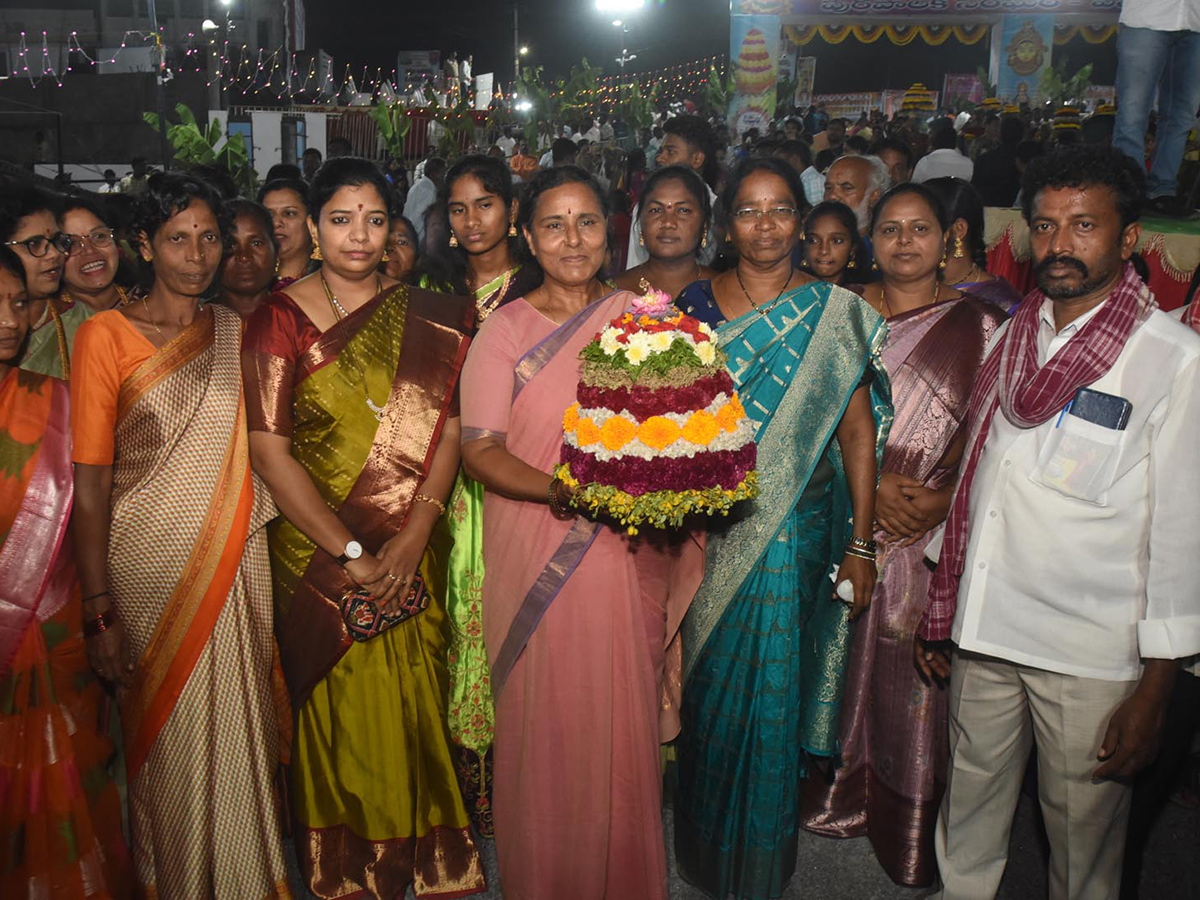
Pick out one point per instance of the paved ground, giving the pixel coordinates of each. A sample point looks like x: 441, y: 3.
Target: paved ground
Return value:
x: 832, y: 869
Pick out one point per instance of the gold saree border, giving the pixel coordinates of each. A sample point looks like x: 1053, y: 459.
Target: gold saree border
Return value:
x: 177, y: 352
x: 847, y: 321
x: 312, y: 634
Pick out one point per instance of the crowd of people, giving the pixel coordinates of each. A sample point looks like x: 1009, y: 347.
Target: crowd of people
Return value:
x: 278, y: 478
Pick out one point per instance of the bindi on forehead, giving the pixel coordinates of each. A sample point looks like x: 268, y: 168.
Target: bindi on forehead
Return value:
x: 360, y: 207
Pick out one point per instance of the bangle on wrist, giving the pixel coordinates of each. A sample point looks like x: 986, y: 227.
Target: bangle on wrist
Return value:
x: 100, y: 624
x: 425, y: 498
x: 557, y: 509
x: 867, y: 546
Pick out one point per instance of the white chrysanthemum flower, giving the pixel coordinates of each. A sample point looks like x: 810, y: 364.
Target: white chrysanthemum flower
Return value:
x: 608, y: 341
x: 706, y: 353
x: 636, y: 353
x: 705, y: 329
x: 660, y: 342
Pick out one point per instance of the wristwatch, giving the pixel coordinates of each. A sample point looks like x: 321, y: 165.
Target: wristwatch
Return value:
x: 352, y: 550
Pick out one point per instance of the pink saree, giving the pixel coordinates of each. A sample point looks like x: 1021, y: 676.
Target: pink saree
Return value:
x: 893, y: 726
x: 577, y: 621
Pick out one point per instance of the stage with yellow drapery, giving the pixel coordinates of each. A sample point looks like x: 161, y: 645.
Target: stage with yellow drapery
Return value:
x: 1020, y: 34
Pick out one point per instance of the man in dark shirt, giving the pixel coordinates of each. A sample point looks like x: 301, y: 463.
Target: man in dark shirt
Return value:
x: 996, y: 174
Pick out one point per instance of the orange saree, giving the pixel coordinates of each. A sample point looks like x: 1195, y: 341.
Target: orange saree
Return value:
x: 60, y: 815
x: 189, y: 576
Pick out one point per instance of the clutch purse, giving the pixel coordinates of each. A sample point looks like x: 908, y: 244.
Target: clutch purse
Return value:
x: 365, y: 617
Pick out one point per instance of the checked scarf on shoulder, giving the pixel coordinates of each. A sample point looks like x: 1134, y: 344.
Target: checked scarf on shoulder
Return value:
x: 1011, y: 381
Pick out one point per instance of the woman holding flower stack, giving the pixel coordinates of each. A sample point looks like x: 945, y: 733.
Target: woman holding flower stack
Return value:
x: 765, y: 644
x: 577, y: 615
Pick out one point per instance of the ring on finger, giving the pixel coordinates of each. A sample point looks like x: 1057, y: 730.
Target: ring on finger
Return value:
x: 391, y: 576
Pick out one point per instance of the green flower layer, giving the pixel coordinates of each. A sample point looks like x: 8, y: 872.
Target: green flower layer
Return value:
x: 661, y: 509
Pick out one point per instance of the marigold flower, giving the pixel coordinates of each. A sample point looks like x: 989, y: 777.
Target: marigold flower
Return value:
x: 571, y: 418
x: 617, y: 432
x: 586, y: 432
x: 727, y: 417
x: 658, y: 432
x: 700, y: 428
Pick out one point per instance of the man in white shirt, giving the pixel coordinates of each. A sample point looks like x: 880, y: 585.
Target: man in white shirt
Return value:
x: 944, y: 160
x: 1068, y: 575
x: 1158, y: 49
x: 422, y: 195
x: 507, y: 142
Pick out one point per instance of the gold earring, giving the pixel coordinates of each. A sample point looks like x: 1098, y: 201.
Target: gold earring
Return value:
x: 704, y: 237
x: 874, y: 266
x: 385, y: 256
x: 958, y: 248
x: 942, y: 264
x: 453, y: 240
x: 512, y: 229
x: 641, y: 240
x: 316, y: 252
x: 276, y: 265
x: 852, y: 264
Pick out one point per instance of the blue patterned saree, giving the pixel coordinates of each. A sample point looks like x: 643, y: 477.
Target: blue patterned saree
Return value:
x: 765, y: 644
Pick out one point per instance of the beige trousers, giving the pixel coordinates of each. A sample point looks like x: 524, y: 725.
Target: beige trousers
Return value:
x: 998, y: 711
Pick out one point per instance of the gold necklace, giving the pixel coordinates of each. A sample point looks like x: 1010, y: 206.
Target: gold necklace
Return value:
x: 756, y: 307
x: 484, y: 307
x: 151, y: 319
x: 887, y: 310
x: 339, y: 315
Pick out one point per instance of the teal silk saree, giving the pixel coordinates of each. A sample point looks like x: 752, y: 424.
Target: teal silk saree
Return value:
x: 765, y: 644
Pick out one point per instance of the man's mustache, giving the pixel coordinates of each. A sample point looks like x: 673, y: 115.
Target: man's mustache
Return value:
x: 1049, y: 261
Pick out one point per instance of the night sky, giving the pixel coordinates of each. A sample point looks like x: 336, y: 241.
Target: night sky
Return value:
x: 559, y: 32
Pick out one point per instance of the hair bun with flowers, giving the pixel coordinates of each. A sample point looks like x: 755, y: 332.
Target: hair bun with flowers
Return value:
x: 657, y: 432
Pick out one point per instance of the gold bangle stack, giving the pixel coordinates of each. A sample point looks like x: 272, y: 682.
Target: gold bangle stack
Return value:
x: 425, y: 498
x: 861, y: 548
x: 556, y: 506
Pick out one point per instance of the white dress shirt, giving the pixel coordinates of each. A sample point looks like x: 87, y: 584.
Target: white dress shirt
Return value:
x: 1090, y: 575
x: 814, y: 185
x: 1161, y: 15
x: 943, y: 163
x: 420, y: 197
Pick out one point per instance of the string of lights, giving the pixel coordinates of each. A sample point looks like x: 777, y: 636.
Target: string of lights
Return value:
x: 245, y: 72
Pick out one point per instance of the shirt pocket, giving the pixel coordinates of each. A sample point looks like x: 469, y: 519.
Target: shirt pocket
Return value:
x: 1079, y: 460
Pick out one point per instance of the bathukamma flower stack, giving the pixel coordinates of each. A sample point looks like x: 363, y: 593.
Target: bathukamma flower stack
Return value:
x: 657, y: 432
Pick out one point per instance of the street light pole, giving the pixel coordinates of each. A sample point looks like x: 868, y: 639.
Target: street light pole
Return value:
x: 159, y: 89
x: 516, y: 49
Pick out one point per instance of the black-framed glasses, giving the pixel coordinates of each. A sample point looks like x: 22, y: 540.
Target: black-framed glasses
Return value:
x: 39, y: 244
x: 776, y: 214
x: 99, y: 238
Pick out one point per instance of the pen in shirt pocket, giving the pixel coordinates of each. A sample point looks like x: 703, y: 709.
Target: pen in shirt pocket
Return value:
x: 1066, y: 409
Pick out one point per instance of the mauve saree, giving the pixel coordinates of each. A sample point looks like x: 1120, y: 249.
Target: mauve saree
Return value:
x: 893, y: 726
x: 997, y: 291
x: 580, y: 700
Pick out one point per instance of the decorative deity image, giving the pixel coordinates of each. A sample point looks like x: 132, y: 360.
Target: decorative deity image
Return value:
x: 1026, y: 51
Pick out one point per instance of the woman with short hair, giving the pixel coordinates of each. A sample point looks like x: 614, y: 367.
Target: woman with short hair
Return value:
x: 172, y: 554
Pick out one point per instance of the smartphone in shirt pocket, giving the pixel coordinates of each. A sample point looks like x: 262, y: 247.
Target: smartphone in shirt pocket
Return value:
x: 1079, y: 458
